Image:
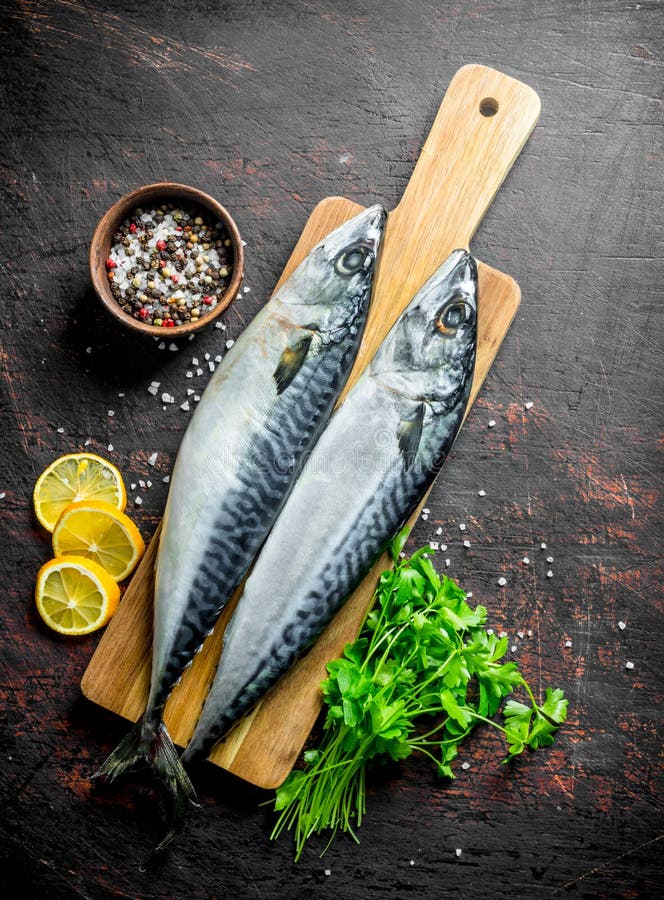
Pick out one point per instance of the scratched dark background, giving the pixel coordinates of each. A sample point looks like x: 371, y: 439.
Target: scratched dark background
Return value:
x: 271, y: 107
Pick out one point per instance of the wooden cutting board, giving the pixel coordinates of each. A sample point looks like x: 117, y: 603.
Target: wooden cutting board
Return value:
x: 481, y: 126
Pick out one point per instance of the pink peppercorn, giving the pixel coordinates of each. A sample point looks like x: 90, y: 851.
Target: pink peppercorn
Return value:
x: 207, y: 301
x: 162, y: 263
x: 132, y: 228
x: 169, y: 323
x: 111, y: 263
x: 143, y: 313
x: 174, y: 278
x: 161, y: 245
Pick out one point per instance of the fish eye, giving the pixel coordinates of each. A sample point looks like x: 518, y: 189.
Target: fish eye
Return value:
x: 453, y: 315
x: 351, y: 260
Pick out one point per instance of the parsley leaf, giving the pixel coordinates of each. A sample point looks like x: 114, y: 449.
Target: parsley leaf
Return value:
x: 421, y: 675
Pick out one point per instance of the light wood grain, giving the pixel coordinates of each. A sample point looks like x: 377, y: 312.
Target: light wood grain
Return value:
x: 462, y: 165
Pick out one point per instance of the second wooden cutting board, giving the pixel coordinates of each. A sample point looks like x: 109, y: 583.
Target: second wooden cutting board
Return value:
x: 480, y: 128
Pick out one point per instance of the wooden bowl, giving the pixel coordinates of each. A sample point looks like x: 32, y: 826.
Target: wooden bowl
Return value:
x: 149, y: 196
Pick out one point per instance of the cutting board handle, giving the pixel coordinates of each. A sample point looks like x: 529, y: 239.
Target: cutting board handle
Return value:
x: 483, y: 122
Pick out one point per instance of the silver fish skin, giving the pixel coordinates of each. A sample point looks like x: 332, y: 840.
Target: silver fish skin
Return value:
x: 262, y: 411
x: 378, y: 455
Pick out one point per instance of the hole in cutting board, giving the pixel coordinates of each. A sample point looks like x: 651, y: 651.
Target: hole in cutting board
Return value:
x: 488, y: 106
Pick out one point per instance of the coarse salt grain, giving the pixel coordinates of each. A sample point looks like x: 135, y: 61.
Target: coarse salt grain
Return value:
x: 194, y: 360
x: 190, y: 391
x: 462, y: 526
x: 448, y: 562
x: 458, y: 851
x: 443, y: 547
x: 525, y: 560
x: 110, y: 448
x: 529, y: 404
x: 513, y: 648
x: 502, y: 634
x: 60, y: 430
x: 629, y: 665
x: 434, y: 545
x: 111, y: 413
x: 549, y: 574
x: 229, y: 344
x: 247, y: 290
x: 207, y: 355
x: 197, y: 397
x: 481, y: 493
x: 220, y: 326
x: 492, y: 423
x: 2, y: 495
x: 148, y: 483
x: 412, y: 862
x: 199, y: 371
x: 88, y: 349
x: 466, y: 544
x: 465, y: 765
x: 161, y: 345
x: 211, y: 366
x: 166, y: 479
x: 138, y: 501
x: 543, y: 545
x: 568, y: 644
x: 132, y: 487
x: 328, y: 871
x: 87, y: 443
x: 141, y: 483
x: 173, y: 348
x: 439, y: 530
x: 218, y: 358
x: 154, y: 387
x: 502, y: 582
x: 185, y: 406
x: 549, y: 559
x: 622, y: 625
x: 520, y: 635
x: 189, y: 375
x: 152, y: 458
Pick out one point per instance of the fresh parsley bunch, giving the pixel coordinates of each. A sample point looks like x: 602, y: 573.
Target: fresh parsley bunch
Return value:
x: 422, y: 673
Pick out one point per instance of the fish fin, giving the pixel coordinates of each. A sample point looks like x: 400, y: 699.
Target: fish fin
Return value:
x: 409, y: 432
x: 291, y: 362
x: 152, y: 745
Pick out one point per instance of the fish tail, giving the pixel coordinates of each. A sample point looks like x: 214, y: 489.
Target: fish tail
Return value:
x: 132, y: 750
x: 149, y: 743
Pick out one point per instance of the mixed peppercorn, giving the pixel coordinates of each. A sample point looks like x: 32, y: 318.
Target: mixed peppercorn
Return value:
x: 170, y: 265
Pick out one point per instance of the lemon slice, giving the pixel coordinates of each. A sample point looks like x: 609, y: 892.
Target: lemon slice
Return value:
x: 98, y: 531
x: 75, y: 595
x: 75, y: 477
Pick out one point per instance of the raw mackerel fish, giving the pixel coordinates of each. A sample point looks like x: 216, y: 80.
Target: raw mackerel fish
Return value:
x: 260, y: 414
x: 378, y: 455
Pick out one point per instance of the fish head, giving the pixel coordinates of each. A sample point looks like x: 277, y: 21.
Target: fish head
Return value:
x: 429, y: 354
x: 331, y: 287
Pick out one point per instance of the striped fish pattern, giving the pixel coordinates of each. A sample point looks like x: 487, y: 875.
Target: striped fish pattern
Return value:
x: 241, y: 454
x: 248, y: 509
x: 378, y: 455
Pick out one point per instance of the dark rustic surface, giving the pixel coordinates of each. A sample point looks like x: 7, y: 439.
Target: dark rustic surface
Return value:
x: 271, y: 107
